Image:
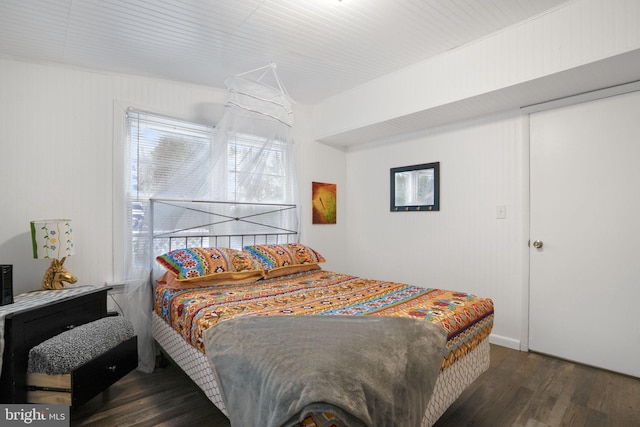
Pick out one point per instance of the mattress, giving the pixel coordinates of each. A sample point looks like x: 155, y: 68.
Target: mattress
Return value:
x: 181, y: 315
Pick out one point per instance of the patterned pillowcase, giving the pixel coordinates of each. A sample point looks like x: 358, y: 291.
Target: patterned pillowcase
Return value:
x: 272, y: 257
x: 169, y: 280
x: 293, y: 269
x: 206, y: 263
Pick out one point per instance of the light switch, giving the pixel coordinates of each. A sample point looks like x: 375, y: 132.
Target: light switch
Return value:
x: 501, y: 212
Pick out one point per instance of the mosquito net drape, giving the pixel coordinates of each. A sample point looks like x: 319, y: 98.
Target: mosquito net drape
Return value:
x: 249, y: 159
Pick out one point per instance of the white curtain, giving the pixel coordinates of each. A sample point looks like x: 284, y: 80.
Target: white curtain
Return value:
x: 255, y: 130
x: 249, y: 159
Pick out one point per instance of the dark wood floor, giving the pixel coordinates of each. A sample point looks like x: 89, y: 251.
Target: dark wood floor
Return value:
x: 519, y: 389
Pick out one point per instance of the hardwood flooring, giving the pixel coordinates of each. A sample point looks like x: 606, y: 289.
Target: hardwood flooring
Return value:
x: 519, y: 389
x: 534, y: 390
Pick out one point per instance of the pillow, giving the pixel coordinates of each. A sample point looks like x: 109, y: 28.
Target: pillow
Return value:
x: 191, y: 264
x: 273, y: 257
x: 169, y: 280
x: 292, y: 269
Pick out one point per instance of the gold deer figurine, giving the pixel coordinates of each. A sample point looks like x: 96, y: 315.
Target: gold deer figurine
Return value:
x: 56, y: 275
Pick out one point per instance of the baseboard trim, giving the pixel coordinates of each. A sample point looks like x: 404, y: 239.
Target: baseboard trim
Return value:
x: 504, y: 341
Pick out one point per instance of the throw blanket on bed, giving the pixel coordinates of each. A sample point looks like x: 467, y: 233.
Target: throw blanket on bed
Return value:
x: 369, y: 371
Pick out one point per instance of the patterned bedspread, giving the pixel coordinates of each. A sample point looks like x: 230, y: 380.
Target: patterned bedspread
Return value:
x: 467, y: 318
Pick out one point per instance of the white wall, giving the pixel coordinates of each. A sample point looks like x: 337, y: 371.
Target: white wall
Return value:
x: 57, y: 146
x: 463, y: 246
x: 321, y: 163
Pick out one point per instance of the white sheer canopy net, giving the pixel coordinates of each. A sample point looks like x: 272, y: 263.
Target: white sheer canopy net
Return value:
x: 249, y: 161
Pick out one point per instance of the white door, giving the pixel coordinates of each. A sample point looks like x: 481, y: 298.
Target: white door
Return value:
x: 585, y: 212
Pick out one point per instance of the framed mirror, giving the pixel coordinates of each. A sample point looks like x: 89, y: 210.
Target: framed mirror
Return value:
x: 415, y: 188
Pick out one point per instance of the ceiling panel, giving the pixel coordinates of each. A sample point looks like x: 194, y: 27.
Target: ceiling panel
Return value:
x: 320, y: 47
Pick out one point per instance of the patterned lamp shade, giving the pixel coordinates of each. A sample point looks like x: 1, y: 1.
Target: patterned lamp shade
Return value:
x: 52, y: 238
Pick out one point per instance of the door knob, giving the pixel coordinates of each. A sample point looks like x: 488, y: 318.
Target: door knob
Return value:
x: 537, y: 244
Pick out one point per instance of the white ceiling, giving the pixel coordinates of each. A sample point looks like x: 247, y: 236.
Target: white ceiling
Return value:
x: 320, y: 47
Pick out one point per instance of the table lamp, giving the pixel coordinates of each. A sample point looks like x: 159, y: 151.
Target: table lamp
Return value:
x: 53, y: 238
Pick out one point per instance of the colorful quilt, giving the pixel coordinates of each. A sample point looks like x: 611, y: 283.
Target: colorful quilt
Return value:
x: 468, y: 319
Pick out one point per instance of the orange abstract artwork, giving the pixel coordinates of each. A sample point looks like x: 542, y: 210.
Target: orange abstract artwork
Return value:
x: 323, y: 201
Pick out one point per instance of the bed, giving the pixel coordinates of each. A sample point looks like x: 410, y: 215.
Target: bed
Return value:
x: 204, y: 285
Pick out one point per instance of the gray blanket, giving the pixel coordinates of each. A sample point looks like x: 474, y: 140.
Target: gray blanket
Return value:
x: 367, y: 370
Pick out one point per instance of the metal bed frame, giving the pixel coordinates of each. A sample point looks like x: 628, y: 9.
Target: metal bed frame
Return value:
x: 178, y: 224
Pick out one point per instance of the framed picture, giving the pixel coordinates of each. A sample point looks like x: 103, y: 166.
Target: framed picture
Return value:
x: 323, y: 203
x: 415, y: 188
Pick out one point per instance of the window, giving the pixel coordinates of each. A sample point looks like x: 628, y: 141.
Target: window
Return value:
x: 170, y: 158
x: 159, y: 147
x: 257, y: 171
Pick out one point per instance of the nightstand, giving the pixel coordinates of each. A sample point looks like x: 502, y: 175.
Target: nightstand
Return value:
x: 27, y: 327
